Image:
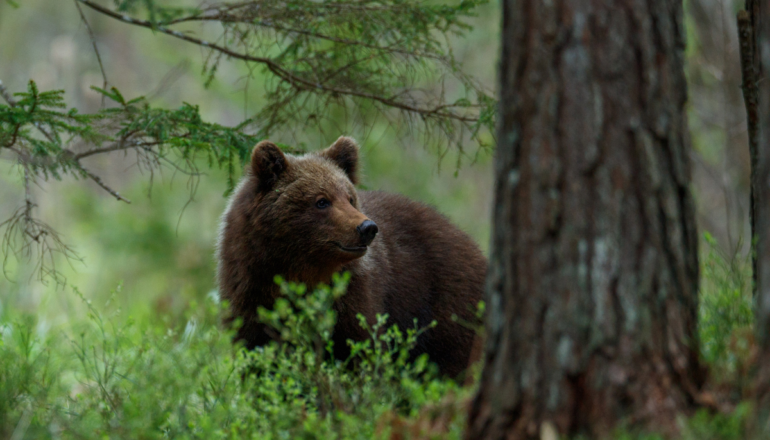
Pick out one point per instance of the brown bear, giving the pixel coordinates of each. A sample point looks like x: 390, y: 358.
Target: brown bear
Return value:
x: 301, y: 217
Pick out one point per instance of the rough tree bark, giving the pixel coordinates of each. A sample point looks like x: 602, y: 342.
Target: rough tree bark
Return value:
x: 592, y: 287
x: 758, y: 60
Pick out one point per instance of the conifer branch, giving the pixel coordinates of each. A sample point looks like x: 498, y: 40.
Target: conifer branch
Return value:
x: 228, y: 17
x: 442, y: 111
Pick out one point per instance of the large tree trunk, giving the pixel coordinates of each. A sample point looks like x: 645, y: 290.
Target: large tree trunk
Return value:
x: 592, y: 287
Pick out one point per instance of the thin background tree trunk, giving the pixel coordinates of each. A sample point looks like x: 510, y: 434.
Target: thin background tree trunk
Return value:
x: 759, y: 18
x: 750, y: 72
x: 592, y: 288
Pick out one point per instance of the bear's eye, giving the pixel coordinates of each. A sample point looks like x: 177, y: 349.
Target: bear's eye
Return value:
x: 323, y: 204
x: 351, y: 201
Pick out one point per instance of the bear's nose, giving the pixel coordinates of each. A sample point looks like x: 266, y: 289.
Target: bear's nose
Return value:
x: 367, y: 230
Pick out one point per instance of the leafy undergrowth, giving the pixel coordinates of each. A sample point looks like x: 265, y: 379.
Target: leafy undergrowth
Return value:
x: 106, y: 375
x: 148, y: 379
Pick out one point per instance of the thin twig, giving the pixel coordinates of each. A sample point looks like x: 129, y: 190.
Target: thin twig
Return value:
x: 229, y: 18
x: 116, y: 147
x: 34, y: 235
x: 98, y: 180
x: 28, y: 204
x: 96, y: 49
x: 7, y: 96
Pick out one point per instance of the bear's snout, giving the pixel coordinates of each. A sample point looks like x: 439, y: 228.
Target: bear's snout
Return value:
x: 367, y: 230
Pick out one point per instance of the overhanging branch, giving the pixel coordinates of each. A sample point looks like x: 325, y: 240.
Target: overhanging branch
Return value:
x: 442, y: 111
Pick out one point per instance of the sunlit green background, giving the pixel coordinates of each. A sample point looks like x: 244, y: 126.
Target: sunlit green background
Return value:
x: 160, y: 248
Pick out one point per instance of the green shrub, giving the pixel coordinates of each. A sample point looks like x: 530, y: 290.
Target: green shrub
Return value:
x: 109, y: 376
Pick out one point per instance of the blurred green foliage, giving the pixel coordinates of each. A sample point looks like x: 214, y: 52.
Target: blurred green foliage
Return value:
x: 376, y: 63
x: 161, y: 246
x: 726, y: 326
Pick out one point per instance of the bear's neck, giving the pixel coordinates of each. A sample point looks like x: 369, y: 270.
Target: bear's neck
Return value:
x: 312, y: 276
x: 306, y: 270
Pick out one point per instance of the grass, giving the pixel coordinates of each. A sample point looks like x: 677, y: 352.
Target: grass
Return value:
x: 108, y: 375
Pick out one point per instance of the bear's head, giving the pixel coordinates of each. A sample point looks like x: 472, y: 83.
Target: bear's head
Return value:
x: 307, y: 207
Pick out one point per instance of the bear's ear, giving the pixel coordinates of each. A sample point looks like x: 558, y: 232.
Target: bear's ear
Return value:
x: 344, y: 153
x: 267, y: 164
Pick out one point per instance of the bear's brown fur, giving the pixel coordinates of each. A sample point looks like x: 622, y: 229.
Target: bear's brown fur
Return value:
x: 301, y: 217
